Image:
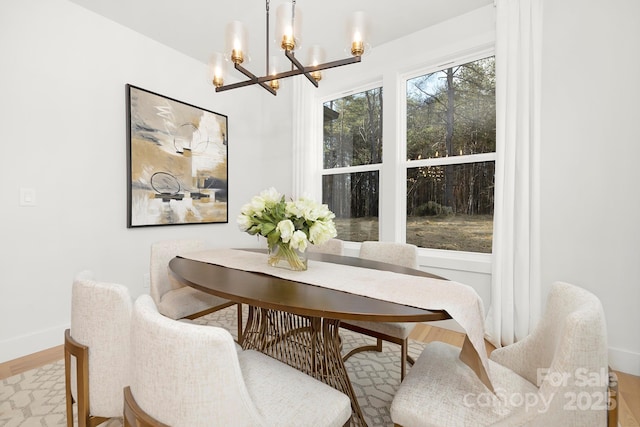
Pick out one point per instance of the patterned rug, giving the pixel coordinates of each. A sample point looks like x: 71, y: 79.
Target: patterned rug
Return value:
x: 36, y: 397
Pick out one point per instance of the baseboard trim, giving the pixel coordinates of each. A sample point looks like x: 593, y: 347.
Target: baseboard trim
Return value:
x: 28, y: 344
x: 624, y: 361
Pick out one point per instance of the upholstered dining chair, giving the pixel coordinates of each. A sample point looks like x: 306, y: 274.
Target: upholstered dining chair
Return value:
x: 331, y: 246
x: 541, y: 380
x: 402, y: 254
x: 174, y: 299
x: 96, y: 350
x: 189, y: 375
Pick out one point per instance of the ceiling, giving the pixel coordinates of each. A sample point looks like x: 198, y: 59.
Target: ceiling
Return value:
x: 197, y: 27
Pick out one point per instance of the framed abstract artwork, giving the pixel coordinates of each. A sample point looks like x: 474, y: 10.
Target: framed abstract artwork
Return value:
x: 176, y: 162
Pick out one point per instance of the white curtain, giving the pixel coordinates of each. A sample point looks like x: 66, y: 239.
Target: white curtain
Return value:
x: 515, y: 290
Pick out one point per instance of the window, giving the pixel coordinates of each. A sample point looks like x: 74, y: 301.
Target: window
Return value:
x: 450, y: 146
x: 352, y: 155
x: 441, y: 160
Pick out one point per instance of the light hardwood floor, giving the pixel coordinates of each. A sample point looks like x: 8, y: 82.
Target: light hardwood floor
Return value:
x: 628, y: 385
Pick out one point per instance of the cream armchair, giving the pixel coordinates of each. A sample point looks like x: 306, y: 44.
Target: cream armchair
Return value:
x: 174, y: 299
x: 331, y: 247
x: 556, y: 376
x: 188, y: 375
x: 402, y: 254
x: 96, y: 350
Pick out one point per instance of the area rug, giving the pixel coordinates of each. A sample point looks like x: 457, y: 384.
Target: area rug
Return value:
x: 36, y: 397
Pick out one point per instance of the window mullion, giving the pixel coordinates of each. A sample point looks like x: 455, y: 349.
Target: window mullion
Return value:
x: 452, y: 160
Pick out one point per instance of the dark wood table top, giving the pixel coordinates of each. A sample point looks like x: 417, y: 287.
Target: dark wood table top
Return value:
x: 271, y: 292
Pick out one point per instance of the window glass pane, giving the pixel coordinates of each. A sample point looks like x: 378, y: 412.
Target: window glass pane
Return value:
x: 452, y: 112
x: 451, y: 207
x: 353, y: 130
x: 353, y: 198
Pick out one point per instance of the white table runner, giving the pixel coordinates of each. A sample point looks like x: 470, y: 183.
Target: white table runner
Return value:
x: 461, y: 301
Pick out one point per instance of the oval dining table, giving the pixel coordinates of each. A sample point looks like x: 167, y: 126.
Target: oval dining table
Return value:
x: 298, y: 323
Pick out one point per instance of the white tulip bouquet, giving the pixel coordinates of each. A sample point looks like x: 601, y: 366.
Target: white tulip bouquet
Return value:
x: 289, y: 227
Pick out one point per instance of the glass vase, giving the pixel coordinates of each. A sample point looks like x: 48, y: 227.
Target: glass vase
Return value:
x: 281, y: 255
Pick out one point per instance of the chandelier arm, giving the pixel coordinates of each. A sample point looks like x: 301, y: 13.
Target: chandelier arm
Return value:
x: 262, y: 80
x: 333, y: 64
x: 289, y: 54
x: 253, y: 78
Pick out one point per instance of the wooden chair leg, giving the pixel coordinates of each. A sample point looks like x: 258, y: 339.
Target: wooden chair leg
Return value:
x: 612, y: 390
x: 403, y: 359
x: 240, y: 337
x: 67, y: 381
x: 403, y: 343
x: 404, y: 350
x: 72, y: 348
x: 80, y: 353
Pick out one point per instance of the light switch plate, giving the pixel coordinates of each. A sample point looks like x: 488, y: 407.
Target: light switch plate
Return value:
x: 27, y: 197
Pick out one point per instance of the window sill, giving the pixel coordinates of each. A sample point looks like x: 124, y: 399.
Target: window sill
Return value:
x: 472, y: 262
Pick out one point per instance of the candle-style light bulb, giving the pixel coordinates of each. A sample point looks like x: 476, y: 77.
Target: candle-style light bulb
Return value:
x: 288, y: 23
x: 236, y: 53
x: 236, y: 42
x: 217, y: 65
x: 218, y: 80
x: 316, y: 57
x: 357, y: 45
x: 288, y: 42
x: 273, y: 70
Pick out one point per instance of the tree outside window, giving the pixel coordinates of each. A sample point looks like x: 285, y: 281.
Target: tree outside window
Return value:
x: 451, y: 142
x: 352, y: 153
x: 450, y: 159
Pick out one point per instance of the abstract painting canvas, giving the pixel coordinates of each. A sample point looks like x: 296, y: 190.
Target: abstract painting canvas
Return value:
x: 177, y: 162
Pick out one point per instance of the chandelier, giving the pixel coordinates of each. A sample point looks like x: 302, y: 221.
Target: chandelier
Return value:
x: 288, y: 32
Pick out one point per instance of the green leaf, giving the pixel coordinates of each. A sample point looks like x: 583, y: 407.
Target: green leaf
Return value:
x: 267, y: 228
x: 273, y: 238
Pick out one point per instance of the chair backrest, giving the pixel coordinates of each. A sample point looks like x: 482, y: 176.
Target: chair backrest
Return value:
x: 185, y: 374
x: 161, y: 253
x: 100, y: 320
x: 403, y: 254
x: 566, y: 356
x: 331, y: 246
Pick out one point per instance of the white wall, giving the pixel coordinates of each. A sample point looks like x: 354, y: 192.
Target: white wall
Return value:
x: 590, y: 151
x: 63, y: 131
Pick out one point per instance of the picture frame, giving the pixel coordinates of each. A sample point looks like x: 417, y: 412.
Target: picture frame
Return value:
x: 177, y: 170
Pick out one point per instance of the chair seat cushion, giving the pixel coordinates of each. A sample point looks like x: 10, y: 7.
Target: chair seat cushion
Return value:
x: 182, y: 302
x: 440, y: 376
x: 395, y: 329
x: 285, y: 396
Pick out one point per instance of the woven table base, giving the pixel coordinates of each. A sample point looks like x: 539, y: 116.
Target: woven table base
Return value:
x: 309, y: 344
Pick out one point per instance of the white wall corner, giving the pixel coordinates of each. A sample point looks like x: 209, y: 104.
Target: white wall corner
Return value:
x: 24, y: 345
x: 624, y: 361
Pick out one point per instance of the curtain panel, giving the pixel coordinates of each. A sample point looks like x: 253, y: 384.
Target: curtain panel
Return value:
x: 515, y: 289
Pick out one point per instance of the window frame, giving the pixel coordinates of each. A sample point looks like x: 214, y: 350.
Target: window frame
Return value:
x: 401, y: 184
x: 393, y: 169
x: 349, y: 169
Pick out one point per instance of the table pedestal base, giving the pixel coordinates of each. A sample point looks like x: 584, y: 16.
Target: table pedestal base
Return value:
x: 309, y: 344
